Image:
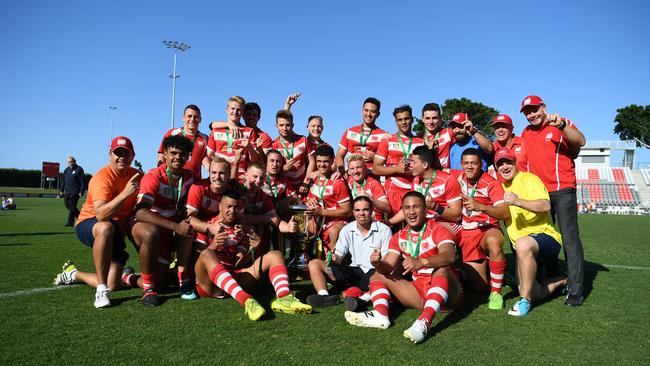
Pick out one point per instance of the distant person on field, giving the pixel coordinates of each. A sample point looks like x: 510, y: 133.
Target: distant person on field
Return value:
x: 8, y: 203
x: 73, y: 186
x: 102, y: 222
x: 530, y: 229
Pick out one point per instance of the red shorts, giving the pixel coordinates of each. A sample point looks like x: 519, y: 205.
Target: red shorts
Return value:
x: 218, y: 294
x: 423, y: 284
x: 470, y: 244
x: 327, y: 242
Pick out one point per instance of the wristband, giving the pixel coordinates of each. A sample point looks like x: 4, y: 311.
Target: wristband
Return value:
x: 439, y: 209
x: 562, y: 126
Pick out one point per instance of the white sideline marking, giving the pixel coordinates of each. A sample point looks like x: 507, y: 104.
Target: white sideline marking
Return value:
x: 625, y: 267
x: 31, y: 291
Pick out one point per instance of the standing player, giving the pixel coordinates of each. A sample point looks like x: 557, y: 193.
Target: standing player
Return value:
x: 295, y: 150
x: 227, y: 264
x: 466, y: 136
x: 102, y: 222
x: 428, y: 254
x: 252, y: 114
x: 530, y: 228
x: 362, y: 139
x: 73, y: 186
x: 481, y: 236
x: 434, y: 136
x: 506, y: 139
x: 223, y: 143
x: 556, y: 142
x: 160, y: 220
x: 393, y: 158
x: 361, y: 184
x: 190, y: 130
x: 359, y: 239
x: 328, y: 200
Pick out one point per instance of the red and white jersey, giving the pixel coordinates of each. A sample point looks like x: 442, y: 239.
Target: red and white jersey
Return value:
x: 517, y: 147
x: 391, y: 152
x: 297, y: 149
x: 202, y: 199
x: 233, y: 245
x: 434, y: 235
x: 222, y: 144
x: 442, y: 188
x: 267, y: 141
x: 373, y: 188
x: 552, y: 161
x: 331, y: 194
x: 354, y: 141
x: 315, y: 145
x: 200, y: 141
x: 275, y: 187
x: 445, y: 139
x: 487, y: 191
x: 156, y: 189
x: 257, y: 203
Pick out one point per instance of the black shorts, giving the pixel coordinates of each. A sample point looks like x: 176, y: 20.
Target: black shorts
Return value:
x: 346, y: 277
x: 84, y: 230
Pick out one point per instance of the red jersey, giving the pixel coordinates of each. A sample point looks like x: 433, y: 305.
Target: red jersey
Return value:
x: 165, y: 198
x: 258, y: 204
x: 517, y: 147
x: 267, y: 141
x: 433, y: 236
x: 442, y: 187
x: 200, y: 141
x: 234, y: 244
x: 275, y: 187
x: 358, y: 139
x: 445, y: 139
x: 372, y: 187
x: 552, y: 161
x: 222, y: 144
x: 391, y: 152
x: 487, y: 191
x: 201, y: 198
x: 297, y: 149
x: 329, y: 193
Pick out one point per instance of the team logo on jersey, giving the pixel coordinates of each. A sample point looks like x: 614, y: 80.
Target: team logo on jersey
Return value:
x: 167, y: 192
x: 200, y: 142
x: 549, y: 136
x: 517, y: 150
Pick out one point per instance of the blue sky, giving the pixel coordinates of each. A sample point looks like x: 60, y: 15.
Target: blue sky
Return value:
x: 65, y: 61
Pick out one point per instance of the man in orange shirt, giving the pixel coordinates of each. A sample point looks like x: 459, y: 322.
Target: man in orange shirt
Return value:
x: 102, y: 221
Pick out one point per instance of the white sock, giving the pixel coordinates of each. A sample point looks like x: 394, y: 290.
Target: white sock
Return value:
x: 323, y: 292
x: 102, y: 287
x: 365, y: 297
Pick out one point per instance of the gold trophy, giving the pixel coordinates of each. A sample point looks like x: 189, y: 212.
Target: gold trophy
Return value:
x: 300, y: 241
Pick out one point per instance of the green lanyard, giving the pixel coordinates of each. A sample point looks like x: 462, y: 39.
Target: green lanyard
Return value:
x: 426, y: 191
x: 321, y: 189
x: 363, y: 141
x: 196, y: 135
x: 355, y: 191
x: 287, y: 150
x: 407, y: 152
x: 415, y: 252
x: 176, y: 194
x: 471, y: 195
x: 230, y: 141
x: 274, y: 192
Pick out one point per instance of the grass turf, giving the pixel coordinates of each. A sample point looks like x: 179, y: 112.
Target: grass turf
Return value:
x: 62, y: 327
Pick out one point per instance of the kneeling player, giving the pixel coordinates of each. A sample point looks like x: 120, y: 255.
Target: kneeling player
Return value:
x: 428, y: 252
x: 228, y: 262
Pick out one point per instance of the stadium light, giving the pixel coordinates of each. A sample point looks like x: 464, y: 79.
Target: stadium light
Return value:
x: 176, y: 46
x: 111, y: 108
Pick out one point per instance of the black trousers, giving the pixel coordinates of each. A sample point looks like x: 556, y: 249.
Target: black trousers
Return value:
x: 71, y: 200
x: 564, y: 210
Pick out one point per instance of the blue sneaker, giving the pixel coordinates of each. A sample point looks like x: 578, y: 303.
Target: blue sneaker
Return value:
x: 187, y: 291
x: 521, y: 308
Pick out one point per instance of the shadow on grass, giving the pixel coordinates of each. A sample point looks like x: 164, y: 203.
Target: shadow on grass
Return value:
x: 37, y: 234
x: 14, y: 244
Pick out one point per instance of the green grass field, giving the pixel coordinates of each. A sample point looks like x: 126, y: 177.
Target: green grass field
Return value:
x: 61, y: 327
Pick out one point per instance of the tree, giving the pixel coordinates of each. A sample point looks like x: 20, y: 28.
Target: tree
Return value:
x: 480, y: 114
x: 633, y: 123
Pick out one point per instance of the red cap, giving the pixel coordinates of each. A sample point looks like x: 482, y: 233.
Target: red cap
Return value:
x: 459, y: 118
x: 531, y: 100
x: 502, y: 118
x: 122, y: 142
x: 504, y: 154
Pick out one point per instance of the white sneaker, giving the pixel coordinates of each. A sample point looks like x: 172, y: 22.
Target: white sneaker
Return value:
x: 368, y: 319
x: 101, y: 299
x: 418, y: 331
x: 67, y: 276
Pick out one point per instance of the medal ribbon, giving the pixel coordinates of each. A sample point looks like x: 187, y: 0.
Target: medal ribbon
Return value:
x: 407, y: 152
x: 415, y: 252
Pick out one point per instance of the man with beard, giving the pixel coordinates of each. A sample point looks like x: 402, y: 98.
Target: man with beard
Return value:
x: 466, y: 136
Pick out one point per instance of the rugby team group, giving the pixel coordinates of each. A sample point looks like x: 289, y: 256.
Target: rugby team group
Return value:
x: 393, y: 215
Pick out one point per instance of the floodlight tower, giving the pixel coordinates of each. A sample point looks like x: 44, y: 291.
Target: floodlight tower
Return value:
x: 176, y: 46
x: 111, y: 108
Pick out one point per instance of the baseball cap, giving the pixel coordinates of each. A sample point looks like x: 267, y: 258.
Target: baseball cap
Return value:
x: 459, y: 118
x: 502, y: 118
x: 504, y: 154
x: 531, y: 100
x: 122, y: 142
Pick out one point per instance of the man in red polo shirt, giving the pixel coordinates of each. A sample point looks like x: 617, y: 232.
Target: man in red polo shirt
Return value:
x: 556, y: 142
x: 190, y: 129
x: 506, y: 139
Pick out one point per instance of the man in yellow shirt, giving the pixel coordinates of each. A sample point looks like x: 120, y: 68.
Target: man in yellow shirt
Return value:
x: 530, y: 228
